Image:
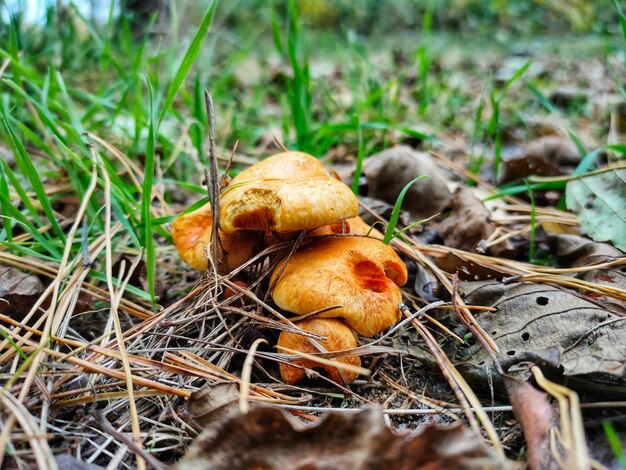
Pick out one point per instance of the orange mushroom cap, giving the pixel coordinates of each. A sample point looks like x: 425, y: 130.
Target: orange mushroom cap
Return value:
x: 191, y: 234
x: 284, y: 165
x: 338, y: 337
x: 360, y: 274
x: 288, y: 192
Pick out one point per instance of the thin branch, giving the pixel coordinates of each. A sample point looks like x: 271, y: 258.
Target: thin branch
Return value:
x: 212, y: 180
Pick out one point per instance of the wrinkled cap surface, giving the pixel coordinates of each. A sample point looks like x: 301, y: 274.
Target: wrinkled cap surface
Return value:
x: 284, y: 165
x: 360, y: 274
x: 191, y: 234
x: 288, y: 192
x: 338, y: 337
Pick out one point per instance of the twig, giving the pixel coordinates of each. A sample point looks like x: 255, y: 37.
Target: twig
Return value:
x: 107, y: 428
x: 213, y: 184
x: 246, y: 374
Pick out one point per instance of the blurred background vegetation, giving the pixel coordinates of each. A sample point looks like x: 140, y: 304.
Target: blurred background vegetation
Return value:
x: 329, y: 77
x: 308, y: 68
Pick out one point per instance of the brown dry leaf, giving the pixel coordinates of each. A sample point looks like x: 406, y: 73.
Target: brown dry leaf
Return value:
x: 613, y: 277
x: 546, y: 156
x: 573, y: 251
x: 389, y: 171
x: 426, y: 285
x: 536, y: 417
x: 18, y: 291
x: 266, y: 438
x: 209, y: 407
x: 469, y: 224
x: 549, y: 326
x: 467, y: 269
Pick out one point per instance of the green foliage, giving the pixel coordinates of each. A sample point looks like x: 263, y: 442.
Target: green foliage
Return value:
x: 615, y: 443
x: 395, y: 214
x: 188, y: 60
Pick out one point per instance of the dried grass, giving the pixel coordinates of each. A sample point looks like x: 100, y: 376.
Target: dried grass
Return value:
x: 119, y: 396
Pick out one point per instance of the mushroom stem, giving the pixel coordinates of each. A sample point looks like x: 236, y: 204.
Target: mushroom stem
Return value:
x: 338, y: 336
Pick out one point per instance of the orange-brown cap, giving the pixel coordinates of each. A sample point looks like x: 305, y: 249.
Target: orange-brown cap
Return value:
x: 360, y: 274
x: 191, y: 234
x: 338, y: 337
x: 288, y: 192
x: 284, y: 165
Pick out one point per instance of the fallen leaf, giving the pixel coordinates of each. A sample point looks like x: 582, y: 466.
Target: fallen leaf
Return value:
x: 382, y: 209
x: 469, y: 224
x: 467, y: 269
x: 550, y: 155
x: 426, y: 285
x: 267, y: 438
x: 546, y: 325
x: 18, y: 291
x: 210, y: 406
x: 573, y: 251
x: 599, y: 201
x: 536, y: 418
x: 390, y: 170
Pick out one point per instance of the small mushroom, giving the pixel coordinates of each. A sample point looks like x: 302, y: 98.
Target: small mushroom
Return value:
x: 359, y: 274
x: 338, y: 337
x: 191, y: 234
x: 287, y: 192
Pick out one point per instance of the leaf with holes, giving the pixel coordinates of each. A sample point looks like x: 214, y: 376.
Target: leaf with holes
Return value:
x: 600, y: 204
x: 546, y: 325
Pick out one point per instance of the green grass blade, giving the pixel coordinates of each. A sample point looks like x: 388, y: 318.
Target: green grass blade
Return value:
x: 533, y: 223
x: 514, y: 78
x: 13, y: 344
x: 622, y: 18
x: 359, y: 157
x: 4, y: 196
x: 543, y: 99
x: 12, y: 213
x: 146, y: 197
x: 395, y: 214
x: 188, y: 60
x: 617, y: 148
x: 615, y: 443
x: 29, y: 170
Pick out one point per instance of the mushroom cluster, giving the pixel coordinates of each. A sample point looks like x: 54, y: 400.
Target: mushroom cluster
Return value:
x: 346, y: 278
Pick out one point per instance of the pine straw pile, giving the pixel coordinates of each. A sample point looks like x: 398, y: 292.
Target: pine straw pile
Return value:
x: 94, y: 373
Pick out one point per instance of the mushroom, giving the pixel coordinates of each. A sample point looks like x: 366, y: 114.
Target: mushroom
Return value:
x: 287, y: 192
x: 338, y: 337
x: 360, y: 274
x: 191, y: 234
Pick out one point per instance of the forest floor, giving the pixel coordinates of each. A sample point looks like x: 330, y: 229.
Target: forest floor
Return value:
x: 116, y: 353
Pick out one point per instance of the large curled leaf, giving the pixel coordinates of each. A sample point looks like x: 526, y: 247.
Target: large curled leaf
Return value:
x: 546, y: 325
x: 600, y: 204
